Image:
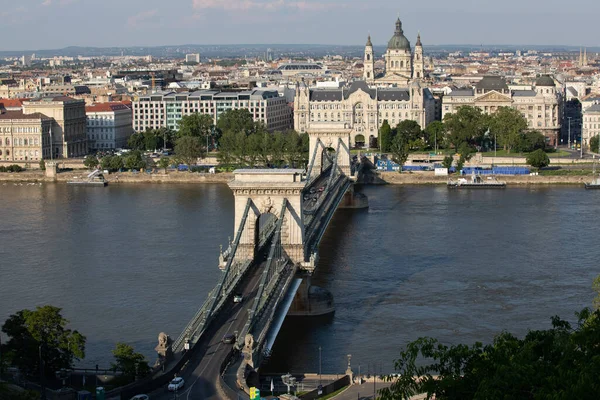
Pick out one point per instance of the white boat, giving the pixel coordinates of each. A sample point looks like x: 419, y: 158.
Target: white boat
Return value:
x: 94, y: 178
x: 477, y: 182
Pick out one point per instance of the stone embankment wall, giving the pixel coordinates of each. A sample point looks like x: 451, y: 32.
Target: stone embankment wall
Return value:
x: 428, y: 178
x: 118, y: 178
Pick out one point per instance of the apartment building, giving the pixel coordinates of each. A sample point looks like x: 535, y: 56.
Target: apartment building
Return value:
x: 108, y: 126
x: 165, y: 109
x: 24, y: 137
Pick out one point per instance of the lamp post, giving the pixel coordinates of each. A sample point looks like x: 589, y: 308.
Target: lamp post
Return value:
x: 319, y: 365
x: 569, y: 140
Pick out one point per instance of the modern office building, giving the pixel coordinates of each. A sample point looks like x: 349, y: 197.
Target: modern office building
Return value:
x: 109, y: 125
x: 165, y: 109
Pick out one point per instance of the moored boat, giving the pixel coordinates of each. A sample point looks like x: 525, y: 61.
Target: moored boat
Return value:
x: 477, y: 182
x: 95, y: 178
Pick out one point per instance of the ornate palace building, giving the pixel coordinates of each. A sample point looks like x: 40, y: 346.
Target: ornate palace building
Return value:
x: 361, y: 107
x: 541, y: 106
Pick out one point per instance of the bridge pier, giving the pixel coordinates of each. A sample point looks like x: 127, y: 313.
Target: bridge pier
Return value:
x: 354, y: 200
x: 311, y: 301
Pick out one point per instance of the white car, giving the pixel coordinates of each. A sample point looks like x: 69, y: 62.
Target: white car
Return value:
x: 237, y: 298
x: 176, y: 384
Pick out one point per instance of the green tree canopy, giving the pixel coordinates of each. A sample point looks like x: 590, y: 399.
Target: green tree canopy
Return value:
x: 467, y: 124
x: 508, y: 124
x: 27, y: 330
x: 136, y: 142
x: 399, y: 150
x: 538, y: 159
x: 134, y: 160
x: 238, y: 120
x: 197, y: 125
x: 411, y: 130
x: 164, y: 163
x: 559, y: 363
x: 435, y: 133
x: 531, y: 141
x: 90, y: 161
x: 189, y: 149
x: 594, y: 143
x: 130, y: 363
x: 385, y: 137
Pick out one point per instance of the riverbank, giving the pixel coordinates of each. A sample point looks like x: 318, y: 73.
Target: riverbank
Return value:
x: 121, y: 177
x: 428, y: 178
x: 392, y: 178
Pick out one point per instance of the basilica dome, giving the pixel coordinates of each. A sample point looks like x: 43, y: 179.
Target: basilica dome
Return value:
x: 399, y: 41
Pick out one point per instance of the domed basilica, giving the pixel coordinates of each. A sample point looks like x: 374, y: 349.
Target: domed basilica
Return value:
x: 401, y: 64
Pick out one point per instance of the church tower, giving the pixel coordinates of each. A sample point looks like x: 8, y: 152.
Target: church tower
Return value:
x: 418, y: 61
x: 369, y: 62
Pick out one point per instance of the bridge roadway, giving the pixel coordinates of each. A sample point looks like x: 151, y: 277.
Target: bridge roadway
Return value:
x: 202, y: 371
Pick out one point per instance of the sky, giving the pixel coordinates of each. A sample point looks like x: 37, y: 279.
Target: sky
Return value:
x: 52, y: 24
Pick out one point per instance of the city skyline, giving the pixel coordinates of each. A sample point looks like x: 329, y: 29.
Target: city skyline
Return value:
x: 53, y: 24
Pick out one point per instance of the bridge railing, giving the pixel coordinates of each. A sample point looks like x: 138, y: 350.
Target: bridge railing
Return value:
x: 233, y: 268
x: 271, y: 269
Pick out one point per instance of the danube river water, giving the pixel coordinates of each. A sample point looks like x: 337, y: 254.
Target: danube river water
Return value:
x: 127, y: 262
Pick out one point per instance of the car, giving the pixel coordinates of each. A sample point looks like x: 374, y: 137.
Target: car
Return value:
x: 140, y: 397
x: 229, y: 339
x: 238, y: 298
x: 312, y: 190
x: 176, y: 384
x: 321, y: 189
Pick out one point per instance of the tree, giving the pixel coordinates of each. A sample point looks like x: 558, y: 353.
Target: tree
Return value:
x: 531, y: 141
x: 136, y: 142
x: 164, y: 163
x: 447, y: 162
x: 538, y: 159
x: 400, y: 150
x: 508, y: 124
x: 188, y: 149
x: 90, y: 162
x: 115, y: 163
x: 411, y: 130
x: 133, y: 365
x: 385, y: 137
x: 467, y: 124
x: 435, y: 133
x: 559, y: 363
x: 42, y: 164
x: 465, y: 152
x: 594, y: 143
x: 197, y: 125
x: 134, y: 160
x: 44, y: 327
x: 238, y: 120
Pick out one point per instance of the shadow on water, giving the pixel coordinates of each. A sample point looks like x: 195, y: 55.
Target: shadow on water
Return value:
x: 286, y: 351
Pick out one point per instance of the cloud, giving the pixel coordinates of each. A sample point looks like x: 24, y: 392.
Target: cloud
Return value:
x: 135, y: 20
x: 237, y: 5
x: 61, y: 3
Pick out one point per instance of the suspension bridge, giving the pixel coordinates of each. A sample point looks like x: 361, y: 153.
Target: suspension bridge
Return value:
x: 280, y: 218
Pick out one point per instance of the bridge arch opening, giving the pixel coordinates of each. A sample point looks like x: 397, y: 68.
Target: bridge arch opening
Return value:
x: 264, y: 225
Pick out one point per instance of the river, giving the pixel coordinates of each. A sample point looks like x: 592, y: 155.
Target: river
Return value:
x: 127, y: 262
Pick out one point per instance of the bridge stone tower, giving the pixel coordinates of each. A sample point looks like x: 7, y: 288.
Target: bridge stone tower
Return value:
x: 267, y: 188
x: 330, y: 137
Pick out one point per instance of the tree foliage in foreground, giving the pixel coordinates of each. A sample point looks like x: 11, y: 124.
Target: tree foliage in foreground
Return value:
x: 130, y: 363
x: 538, y: 159
x: 558, y: 363
x: 27, y: 330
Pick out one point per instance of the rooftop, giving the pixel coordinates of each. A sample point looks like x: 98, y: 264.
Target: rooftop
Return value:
x: 7, y: 115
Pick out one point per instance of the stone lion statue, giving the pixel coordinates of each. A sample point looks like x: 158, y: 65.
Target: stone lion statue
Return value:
x: 163, y: 339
